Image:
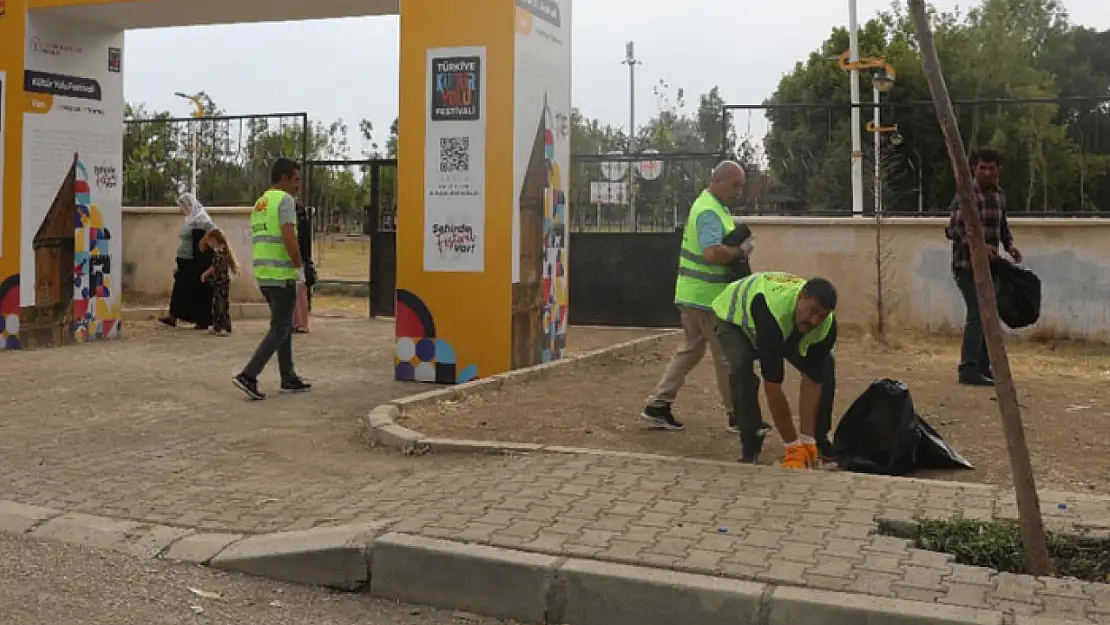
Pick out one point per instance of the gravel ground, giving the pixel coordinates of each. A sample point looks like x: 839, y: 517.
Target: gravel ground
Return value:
x: 50, y: 583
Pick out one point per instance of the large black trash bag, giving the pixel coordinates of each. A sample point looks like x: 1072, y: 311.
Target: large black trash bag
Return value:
x: 1018, y: 291
x: 882, y: 433
x: 742, y: 268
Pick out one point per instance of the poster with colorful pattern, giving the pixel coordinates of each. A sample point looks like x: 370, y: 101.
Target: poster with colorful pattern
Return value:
x: 71, y: 245
x: 542, y: 88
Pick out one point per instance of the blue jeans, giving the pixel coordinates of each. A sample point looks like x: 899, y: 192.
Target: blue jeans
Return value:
x: 279, y: 338
x: 973, y: 349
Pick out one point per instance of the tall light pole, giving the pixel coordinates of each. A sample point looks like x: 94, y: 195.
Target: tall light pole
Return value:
x: 881, y: 82
x: 857, y: 139
x: 631, y: 62
x: 197, y: 101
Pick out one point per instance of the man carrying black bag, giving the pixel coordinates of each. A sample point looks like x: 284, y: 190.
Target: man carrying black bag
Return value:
x: 975, y: 364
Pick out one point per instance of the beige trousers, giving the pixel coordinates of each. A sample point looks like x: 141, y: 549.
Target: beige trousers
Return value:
x: 697, y: 331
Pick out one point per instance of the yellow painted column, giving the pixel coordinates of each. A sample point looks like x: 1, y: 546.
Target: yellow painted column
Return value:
x: 13, y: 24
x: 485, y: 98
x: 481, y: 260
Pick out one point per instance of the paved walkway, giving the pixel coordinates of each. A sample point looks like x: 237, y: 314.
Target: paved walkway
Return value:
x: 164, y: 439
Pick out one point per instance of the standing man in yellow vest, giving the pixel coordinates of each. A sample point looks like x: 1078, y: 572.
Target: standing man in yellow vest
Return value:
x: 776, y: 318
x: 278, y: 268
x: 703, y: 272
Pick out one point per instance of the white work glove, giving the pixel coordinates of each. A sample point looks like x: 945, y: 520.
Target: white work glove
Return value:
x: 300, y: 275
x: 748, y: 245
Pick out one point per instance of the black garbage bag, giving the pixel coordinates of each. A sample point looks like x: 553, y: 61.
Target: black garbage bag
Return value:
x: 742, y: 268
x: 882, y: 433
x: 1018, y: 291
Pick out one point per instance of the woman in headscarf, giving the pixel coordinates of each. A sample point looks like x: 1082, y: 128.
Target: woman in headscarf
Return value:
x: 191, y: 300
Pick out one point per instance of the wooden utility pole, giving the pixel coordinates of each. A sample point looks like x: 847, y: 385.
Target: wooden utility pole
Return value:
x: 1025, y: 487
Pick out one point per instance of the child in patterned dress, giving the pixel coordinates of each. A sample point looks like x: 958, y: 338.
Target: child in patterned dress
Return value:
x: 219, y: 274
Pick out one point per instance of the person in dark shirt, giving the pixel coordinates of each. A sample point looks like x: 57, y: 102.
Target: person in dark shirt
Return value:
x: 975, y: 364
x: 775, y: 318
x: 304, y: 291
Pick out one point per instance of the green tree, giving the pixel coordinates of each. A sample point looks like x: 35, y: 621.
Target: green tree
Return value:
x: 1056, y: 158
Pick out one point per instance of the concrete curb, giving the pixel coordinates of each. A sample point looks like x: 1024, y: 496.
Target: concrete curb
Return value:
x: 538, y: 588
x: 335, y: 556
x: 491, y: 581
x: 239, y: 312
x: 379, y: 426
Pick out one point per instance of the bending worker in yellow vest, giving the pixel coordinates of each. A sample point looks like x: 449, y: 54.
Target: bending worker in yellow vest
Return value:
x: 278, y: 268
x: 774, y: 318
x: 703, y: 272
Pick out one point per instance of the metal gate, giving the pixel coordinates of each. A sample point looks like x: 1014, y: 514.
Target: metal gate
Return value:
x: 354, y: 232
x: 382, y: 229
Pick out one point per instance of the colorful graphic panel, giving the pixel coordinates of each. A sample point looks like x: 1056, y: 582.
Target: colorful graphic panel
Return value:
x: 96, y: 304
x: 541, y: 152
x: 420, y: 355
x: 9, y: 313
x: 71, y: 219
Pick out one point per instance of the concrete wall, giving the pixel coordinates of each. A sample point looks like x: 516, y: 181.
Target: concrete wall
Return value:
x: 150, y: 238
x: 1071, y: 256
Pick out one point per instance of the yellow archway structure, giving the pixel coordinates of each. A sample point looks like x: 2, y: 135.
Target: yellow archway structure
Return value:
x: 483, y: 172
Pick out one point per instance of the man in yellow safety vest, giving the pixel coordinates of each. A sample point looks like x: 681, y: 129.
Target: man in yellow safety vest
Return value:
x: 703, y: 272
x: 776, y: 317
x: 277, y: 267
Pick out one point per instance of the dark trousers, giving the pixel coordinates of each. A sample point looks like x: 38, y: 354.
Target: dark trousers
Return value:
x: 744, y: 384
x: 973, y: 349
x: 281, y: 300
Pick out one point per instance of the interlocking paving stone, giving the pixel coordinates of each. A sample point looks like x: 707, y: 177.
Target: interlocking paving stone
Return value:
x: 176, y: 446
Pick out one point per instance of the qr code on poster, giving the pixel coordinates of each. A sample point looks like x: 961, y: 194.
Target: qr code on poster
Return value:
x: 454, y: 154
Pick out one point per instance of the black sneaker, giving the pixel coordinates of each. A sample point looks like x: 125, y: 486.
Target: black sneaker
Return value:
x: 249, y: 387
x: 660, y: 418
x: 974, y: 379
x: 295, y: 385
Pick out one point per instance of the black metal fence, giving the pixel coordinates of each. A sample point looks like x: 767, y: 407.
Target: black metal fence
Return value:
x: 353, y: 201
x: 343, y: 191
x: 231, y: 156
x: 1056, y: 155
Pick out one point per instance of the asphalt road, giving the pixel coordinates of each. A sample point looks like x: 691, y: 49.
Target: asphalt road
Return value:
x: 45, y: 583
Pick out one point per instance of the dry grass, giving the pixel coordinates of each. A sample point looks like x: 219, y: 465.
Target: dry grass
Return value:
x: 1062, y: 388
x: 346, y: 258
x: 340, y: 306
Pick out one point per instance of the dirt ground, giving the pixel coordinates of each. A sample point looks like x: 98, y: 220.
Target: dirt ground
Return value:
x: 1062, y: 389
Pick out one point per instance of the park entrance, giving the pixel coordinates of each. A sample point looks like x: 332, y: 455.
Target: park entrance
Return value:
x: 481, y: 265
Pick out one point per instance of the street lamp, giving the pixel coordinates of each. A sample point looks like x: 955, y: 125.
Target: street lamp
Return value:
x: 631, y: 61
x: 882, y: 81
x: 198, y: 112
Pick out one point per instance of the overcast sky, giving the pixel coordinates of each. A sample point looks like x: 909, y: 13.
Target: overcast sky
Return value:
x: 349, y: 68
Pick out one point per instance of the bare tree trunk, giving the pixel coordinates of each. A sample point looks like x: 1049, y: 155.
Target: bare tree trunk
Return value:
x: 1025, y: 487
